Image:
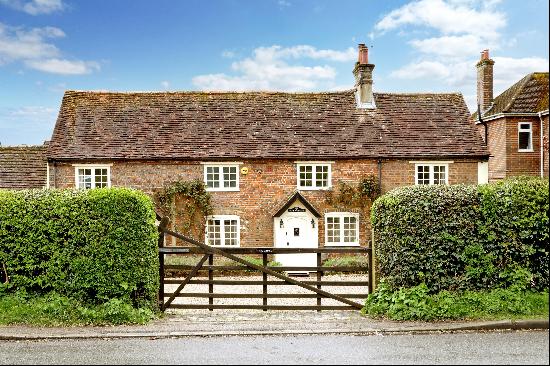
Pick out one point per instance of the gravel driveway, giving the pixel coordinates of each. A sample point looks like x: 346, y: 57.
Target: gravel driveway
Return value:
x: 272, y: 289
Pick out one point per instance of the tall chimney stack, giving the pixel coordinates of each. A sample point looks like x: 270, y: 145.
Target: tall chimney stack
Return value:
x: 363, y: 79
x: 485, y: 81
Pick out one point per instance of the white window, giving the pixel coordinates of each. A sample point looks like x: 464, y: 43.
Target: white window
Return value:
x: 342, y: 228
x: 432, y: 173
x: 314, y: 176
x: 223, y: 230
x: 92, y: 176
x: 221, y: 177
x: 525, y: 136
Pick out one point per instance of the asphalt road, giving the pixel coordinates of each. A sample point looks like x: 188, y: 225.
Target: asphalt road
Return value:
x: 517, y: 347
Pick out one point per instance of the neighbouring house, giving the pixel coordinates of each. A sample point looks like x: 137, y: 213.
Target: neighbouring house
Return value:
x: 514, y: 125
x: 272, y: 161
x: 23, y: 167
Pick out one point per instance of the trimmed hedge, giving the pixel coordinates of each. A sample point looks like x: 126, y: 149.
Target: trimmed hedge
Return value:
x: 90, y: 245
x: 463, y: 237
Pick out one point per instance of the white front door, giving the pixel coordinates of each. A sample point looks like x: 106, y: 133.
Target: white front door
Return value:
x: 299, y: 230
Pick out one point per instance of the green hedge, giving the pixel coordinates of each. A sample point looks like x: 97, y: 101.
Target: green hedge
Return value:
x: 464, y: 237
x: 90, y: 245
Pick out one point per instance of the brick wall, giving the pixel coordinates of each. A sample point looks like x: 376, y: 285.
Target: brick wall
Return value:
x: 496, y: 136
x: 546, y: 133
x: 266, y: 187
x: 522, y: 163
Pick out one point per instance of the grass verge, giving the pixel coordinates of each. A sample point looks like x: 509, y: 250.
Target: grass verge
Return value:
x: 56, y: 310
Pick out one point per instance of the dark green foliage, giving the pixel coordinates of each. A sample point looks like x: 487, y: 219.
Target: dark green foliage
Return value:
x: 416, y: 303
x: 464, y: 237
x: 93, y: 245
x: 515, y: 226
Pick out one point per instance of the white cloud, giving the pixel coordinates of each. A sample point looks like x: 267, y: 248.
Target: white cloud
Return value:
x: 419, y: 70
x: 33, y: 48
x: 35, y: 7
x: 269, y: 69
x: 508, y: 70
x: 17, y: 44
x: 453, y: 46
x: 61, y: 66
x: 33, y: 112
x: 165, y: 84
x: 448, y: 17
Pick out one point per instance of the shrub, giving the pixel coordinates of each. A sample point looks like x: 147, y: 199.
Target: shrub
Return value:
x: 416, y: 303
x: 90, y: 245
x: 464, y: 237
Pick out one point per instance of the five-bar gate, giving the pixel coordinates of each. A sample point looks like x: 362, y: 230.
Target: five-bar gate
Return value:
x: 166, y: 299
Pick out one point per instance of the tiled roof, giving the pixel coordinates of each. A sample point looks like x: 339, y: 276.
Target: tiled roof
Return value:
x: 228, y: 125
x: 529, y: 95
x: 22, y: 167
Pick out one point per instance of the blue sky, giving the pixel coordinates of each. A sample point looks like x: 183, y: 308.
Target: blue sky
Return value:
x: 49, y: 46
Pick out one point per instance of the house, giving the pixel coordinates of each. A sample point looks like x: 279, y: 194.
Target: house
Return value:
x: 269, y: 159
x: 23, y: 166
x: 514, y: 125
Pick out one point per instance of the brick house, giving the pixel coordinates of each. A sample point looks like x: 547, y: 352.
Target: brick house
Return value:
x: 269, y: 158
x: 23, y: 167
x: 514, y: 125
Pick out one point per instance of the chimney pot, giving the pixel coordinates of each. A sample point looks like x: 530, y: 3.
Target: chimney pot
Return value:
x: 363, y: 54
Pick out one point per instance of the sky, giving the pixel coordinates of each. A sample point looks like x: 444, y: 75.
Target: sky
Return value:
x: 49, y: 46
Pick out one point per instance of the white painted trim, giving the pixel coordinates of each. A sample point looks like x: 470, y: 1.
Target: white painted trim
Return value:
x: 341, y: 215
x: 222, y: 229
x: 500, y: 115
x: 530, y: 130
x: 431, y: 172
x: 541, y: 147
x: 482, y: 172
x: 313, y: 176
x: 92, y: 167
x: 427, y: 162
x: 221, y: 188
x: 305, y: 162
x: 221, y: 163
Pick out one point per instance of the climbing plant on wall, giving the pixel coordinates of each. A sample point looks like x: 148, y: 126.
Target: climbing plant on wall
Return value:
x: 186, y: 203
x: 354, y: 194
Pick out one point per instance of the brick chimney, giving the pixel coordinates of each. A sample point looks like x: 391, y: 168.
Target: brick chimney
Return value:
x: 363, y: 79
x: 485, y: 81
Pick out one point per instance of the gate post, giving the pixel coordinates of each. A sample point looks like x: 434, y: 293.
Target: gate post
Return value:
x: 372, y: 269
x: 162, y: 225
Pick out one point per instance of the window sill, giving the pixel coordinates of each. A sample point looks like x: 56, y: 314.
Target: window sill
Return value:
x: 222, y: 189
x: 342, y: 245
x: 526, y: 150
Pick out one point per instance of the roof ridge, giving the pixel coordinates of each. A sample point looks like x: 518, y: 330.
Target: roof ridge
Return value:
x: 206, y: 92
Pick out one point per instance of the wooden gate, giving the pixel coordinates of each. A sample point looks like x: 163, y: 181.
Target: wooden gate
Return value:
x: 208, y: 252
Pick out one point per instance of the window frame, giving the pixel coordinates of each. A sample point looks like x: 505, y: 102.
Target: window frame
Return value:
x: 314, y: 186
x: 431, y: 173
x: 342, y: 215
x: 93, y: 167
x: 530, y: 130
x: 220, y: 166
x: 222, y: 230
